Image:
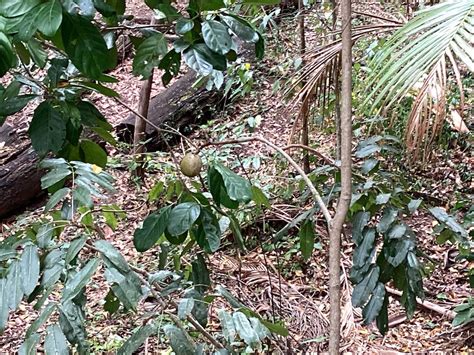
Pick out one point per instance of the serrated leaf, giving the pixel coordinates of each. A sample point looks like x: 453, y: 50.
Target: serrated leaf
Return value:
x: 55, y: 342
x: 373, y: 307
x: 363, y: 289
x: 185, y: 307
x: 79, y: 280
x: 216, y: 36
x: 153, y: 228
x: 307, y: 235
x: 182, y: 217
x: 47, y: 129
x: 30, y: 269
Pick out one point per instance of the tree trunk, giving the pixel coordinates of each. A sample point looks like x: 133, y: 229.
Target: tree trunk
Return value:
x: 180, y: 107
x: 346, y: 182
x: 19, y: 175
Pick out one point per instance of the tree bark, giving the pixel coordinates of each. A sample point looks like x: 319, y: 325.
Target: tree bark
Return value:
x: 346, y: 182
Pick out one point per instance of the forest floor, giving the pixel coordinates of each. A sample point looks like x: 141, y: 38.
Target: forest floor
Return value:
x: 278, y: 281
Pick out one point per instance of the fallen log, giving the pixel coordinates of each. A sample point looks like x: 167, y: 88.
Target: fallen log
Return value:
x: 180, y: 107
x: 19, y: 174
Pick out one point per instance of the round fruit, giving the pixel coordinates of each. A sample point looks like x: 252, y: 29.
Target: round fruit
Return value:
x: 191, y: 165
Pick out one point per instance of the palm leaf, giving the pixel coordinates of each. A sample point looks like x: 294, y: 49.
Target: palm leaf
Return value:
x: 414, y: 50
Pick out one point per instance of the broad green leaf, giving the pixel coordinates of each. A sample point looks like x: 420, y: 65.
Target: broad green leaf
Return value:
x: 4, y: 310
x: 54, y: 176
x: 79, y: 280
x: 6, y: 254
x: 200, y: 274
x: 369, y: 165
x: 218, y: 191
x: 397, y: 250
x: 7, y: 56
x: 397, y: 231
x: 185, y: 307
x: 112, y: 303
x: 216, y: 36
x: 47, y: 129
x: 382, y: 199
x: 441, y: 215
x: 389, y: 216
x: 42, y: 318
x: 13, y: 8
x: 413, y: 205
x: 307, y: 236
x: 125, y: 286
x: 148, y: 55
x: 12, y: 105
x: 259, y: 328
x: 184, y: 25
x: 28, y: 347
x: 85, y: 46
x: 363, y: 252
x: 72, y: 322
x: 75, y: 247
x: 93, y: 153
x: 373, y: 307
x: 30, y: 269
x: 182, y: 217
x: 364, y: 289
x: 113, y: 255
x: 240, y: 28
x: 53, y: 267
x: 156, y: 191
x: 206, y: 5
x: 382, y: 317
x: 208, y: 234
x: 137, y: 339
x: 38, y: 54
x: 227, y: 324
x: 359, y: 222
x: 202, y: 60
x: 49, y: 17
x: 14, y: 285
x: 277, y: 328
x: 180, y: 342
x: 57, y: 197
x: 236, y: 232
x: 55, y: 342
x: 367, y: 150
x: 153, y: 228
x: 238, y: 188
x: 245, y: 329
x: 259, y: 197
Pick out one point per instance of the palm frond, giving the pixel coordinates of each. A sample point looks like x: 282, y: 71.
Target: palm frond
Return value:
x: 415, y: 49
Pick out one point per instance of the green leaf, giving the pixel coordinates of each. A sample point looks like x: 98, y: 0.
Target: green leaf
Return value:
x: 389, y: 216
x: 216, y: 36
x: 397, y: 231
x: 57, y: 197
x: 363, y: 252
x: 369, y: 165
x: 74, y: 248
x: 367, y: 150
x: 227, y: 324
x: 238, y: 188
x: 47, y: 129
x: 182, y: 217
x: 53, y: 266
x: 184, y: 25
x: 148, y: 55
x: 363, y: 289
x: 85, y: 46
x: 382, y: 199
x: 441, y: 215
x: 4, y: 310
x: 54, y: 176
x: 179, y: 341
x: 49, y: 17
x: 42, y: 318
x: 237, y: 233
x: 14, y: 8
x: 261, y: 2
x: 241, y: 28
x: 259, y: 197
x: 208, y: 234
x: 112, y: 303
x: 14, y: 285
x: 307, y: 236
x: 397, y: 250
x: 200, y: 274
x: 413, y: 205
x: 126, y: 286
x: 72, y: 322
x: 7, y: 56
x: 202, y: 60
x: 277, y: 328
x: 185, y: 307
x: 359, y: 222
x: 38, y: 54
x: 15, y: 104
x: 79, y: 280
x: 206, y: 5
x: 153, y: 228
x: 373, y: 307
x: 113, y: 255
x: 245, y: 329
x: 30, y: 269
x: 55, y: 342
x: 28, y: 347
x: 137, y: 339
x: 156, y: 191
x: 218, y: 191
x: 93, y: 153
x: 382, y: 318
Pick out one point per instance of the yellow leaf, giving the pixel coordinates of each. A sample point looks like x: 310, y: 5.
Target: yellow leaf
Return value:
x: 96, y: 169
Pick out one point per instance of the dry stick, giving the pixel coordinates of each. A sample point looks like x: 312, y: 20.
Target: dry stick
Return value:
x: 346, y: 183
x: 290, y: 160
x: 426, y: 304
